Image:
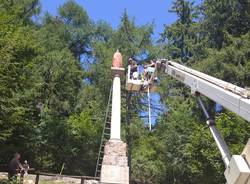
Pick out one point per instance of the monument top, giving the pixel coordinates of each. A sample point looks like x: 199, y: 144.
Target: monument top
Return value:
x: 117, y: 60
x: 117, y: 68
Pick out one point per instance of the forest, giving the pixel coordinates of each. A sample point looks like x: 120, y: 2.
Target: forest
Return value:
x: 55, y: 79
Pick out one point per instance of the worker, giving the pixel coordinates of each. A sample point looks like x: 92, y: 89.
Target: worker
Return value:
x: 14, y: 167
x: 133, y: 69
x: 149, y: 69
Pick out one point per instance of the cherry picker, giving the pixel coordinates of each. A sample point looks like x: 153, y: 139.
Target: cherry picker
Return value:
x: 230, y: 96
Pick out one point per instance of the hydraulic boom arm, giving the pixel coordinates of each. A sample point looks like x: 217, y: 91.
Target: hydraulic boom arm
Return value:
x: 228, y: 95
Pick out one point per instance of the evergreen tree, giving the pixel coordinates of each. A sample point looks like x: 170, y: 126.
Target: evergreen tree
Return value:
x: 220, y: 17
x: 76, y: 29
x: 181, y: 38
x: 18, y: 52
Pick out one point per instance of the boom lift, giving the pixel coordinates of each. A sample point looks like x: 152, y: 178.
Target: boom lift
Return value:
x: 230, y: 96
x: 136, y: 85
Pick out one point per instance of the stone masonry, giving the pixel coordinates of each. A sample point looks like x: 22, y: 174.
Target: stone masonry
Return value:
x: 115, y: 163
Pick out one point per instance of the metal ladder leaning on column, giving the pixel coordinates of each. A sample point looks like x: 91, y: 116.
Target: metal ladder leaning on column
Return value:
x: 105, y: 136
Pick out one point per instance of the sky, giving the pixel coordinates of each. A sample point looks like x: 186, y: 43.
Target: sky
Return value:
x: 144, y: 11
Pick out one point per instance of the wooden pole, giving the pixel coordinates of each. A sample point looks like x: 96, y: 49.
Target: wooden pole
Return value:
x: 37, y: 178
x: 82, y: 180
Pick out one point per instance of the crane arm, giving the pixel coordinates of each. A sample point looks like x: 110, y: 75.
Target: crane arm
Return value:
x: 230, y: 96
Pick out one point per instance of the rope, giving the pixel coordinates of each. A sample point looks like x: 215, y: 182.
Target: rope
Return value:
x: 149, y: 110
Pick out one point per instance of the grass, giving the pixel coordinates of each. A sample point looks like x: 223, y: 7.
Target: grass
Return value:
x: 50, y: 182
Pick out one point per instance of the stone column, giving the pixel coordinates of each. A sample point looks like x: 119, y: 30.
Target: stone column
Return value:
x: 116, y: 109
x: 115, y: 163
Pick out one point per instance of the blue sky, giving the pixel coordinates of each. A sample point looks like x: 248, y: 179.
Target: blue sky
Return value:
x: 144, y: 11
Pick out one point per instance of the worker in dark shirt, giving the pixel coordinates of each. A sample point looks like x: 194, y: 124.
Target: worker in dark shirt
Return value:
x: 133, y: 69
x: 15, y: 166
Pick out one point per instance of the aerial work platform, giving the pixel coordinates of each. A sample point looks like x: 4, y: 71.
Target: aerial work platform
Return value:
x: 137, y: 83
x: 141, y: 85
x: 138, y: 86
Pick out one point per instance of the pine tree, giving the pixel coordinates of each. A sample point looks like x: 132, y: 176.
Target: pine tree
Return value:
x: 220, y: 17
x: 181, y: 36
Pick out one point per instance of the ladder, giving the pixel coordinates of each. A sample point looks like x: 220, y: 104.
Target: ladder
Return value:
x: 105, y: 136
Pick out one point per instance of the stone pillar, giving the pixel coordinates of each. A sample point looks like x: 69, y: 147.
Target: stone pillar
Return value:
x: 116, y: 109
x: 115, y: 163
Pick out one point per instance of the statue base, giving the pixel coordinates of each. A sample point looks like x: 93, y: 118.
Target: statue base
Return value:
x: 115, y: 168
x: 117, y: 71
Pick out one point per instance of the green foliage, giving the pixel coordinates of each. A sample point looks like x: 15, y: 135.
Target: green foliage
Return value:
x: 55, y: 79
x: 133, y: 41
x: 222, y: 16
x: 180, y: 38
x: 17, y: 53
x: 77, y: 28
x: 16, y: 11
x: 147, y: 163
x: 231, y: 63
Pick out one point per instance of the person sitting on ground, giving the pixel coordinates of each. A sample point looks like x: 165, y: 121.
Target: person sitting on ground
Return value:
x: 14, y: 167
x: 133, y: 69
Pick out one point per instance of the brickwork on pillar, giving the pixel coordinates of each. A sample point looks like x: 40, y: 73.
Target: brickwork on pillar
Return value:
x: 115, y: 153
x: 115, y: 163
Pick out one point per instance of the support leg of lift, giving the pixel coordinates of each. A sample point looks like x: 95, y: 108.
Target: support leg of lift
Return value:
x: 220, y: 142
